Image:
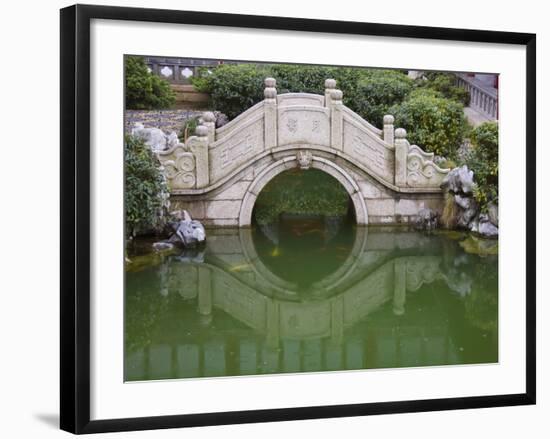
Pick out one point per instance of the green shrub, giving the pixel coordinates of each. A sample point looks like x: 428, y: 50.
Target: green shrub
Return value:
x: 377, y: 92
x: 144, y: 90
x: 483, y: 160
x: 188, y: 128
x: 233, y: 88
x: 311, y: 79
x: 434, y: 123
x: 146, y: 193
x: 445, y: 84
x: 300, y: 79
x: 237, y: 87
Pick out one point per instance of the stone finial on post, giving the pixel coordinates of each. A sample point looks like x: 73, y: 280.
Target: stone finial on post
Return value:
x: 401, y: 151
x: 330, y: 84
x: 209, y: 121
x: 388, y: 128
x: 336, y: 119
x: 199, y: 147
x: 270, y: 113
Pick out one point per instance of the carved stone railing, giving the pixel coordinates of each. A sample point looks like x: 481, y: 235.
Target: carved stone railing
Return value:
x: 299, y: 121
x: 482, y: 98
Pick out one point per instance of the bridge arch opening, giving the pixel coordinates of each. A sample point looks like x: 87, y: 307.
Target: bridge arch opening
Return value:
x: 303, y: 214
x: 356, y: 201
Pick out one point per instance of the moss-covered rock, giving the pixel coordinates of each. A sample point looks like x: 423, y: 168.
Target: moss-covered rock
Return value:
x: 480, y: 246
x: 141, y: 262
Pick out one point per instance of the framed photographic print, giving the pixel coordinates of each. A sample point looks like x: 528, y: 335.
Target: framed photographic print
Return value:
x: 284, y: 218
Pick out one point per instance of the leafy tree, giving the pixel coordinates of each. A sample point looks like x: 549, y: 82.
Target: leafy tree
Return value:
x: 444, y: 83
x: 233, y: 88
x: 146, y: 193
x: 377, y: 92
x: 483, y: 160
x: 144, y: 90
x: 432, y: 122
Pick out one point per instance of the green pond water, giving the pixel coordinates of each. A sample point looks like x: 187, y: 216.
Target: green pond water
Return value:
x: 305, y: 294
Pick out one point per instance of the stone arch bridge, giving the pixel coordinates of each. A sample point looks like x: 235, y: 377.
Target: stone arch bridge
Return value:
x: 218, y: 174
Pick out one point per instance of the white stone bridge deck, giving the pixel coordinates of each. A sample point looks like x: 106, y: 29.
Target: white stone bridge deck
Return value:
x: 218, y: 173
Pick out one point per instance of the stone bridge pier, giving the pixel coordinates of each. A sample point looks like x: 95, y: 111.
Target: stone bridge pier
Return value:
x: 218, y: 174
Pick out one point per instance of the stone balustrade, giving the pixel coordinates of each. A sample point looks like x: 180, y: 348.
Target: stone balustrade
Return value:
x: 177, y: 70
x: 482, y: 98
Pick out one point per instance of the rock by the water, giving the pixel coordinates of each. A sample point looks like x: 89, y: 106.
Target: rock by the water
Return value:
x: 474, y: 225
x: 155, y: 138
x: 483, y: 226
x: 193, y: 255
x: 464, y: 202
x: 162, y: 246
x: 221, y: 120
x: 187, y: 231
x: 172, y: 140
x: 427, y: 219
x: 459, y: 180
x: 459, y: 281
x: 493, y: 213
x: 480, y: 246
x: 467, y: 212
x: 486, y: 228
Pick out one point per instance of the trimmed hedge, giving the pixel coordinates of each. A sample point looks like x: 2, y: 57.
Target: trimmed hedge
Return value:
x: 233, y: 88
x: 144, y: 90
x: 444, y: 83
x: 378, y: 91
x: 432, y: 122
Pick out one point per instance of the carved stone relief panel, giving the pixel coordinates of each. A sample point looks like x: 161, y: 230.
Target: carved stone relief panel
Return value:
x: 369, y: 151
x: 289, y: 99
x: 308, y: 319
x: 179, y: 169
x: 239, y: 300
x: 236, y: 149
x: 304, y: 124
x: 423, y: 173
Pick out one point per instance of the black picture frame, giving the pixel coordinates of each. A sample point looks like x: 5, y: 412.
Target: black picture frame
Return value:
x: 75, y: 217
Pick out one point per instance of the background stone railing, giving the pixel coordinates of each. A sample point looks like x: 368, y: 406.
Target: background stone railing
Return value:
x: 482, y: 98
x: 177, y: 70
x: 294, y: 122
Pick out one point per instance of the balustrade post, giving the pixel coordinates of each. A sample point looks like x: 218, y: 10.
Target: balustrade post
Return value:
x: 209, y: 121
x: 399, y: 286
x: 336, y: 119
x: 330, y: 84
x: 270, y: 113
x: 205, y: 291
x: 388, y: 129
x: 199, y: 147
x: 401, y: 152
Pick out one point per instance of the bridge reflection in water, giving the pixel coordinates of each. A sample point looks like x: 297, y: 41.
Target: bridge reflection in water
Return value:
x: 241, y: 307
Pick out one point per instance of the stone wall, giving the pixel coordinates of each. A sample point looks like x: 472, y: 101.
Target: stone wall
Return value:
x: 223, y: 206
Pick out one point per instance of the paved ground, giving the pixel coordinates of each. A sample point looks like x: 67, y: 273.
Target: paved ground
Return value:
x: 475, y: 117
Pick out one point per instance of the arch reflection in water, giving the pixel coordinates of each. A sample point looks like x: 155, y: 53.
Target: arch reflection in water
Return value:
x: 394, y: 299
